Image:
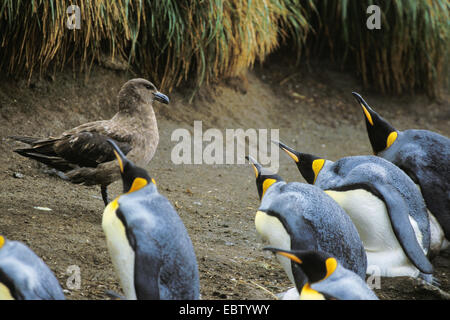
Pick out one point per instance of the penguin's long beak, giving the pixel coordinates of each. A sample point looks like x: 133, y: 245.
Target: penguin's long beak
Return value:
x: 286, y: 253
x: 367, y: 110
x: 256, y: 166
x: 121, y: 158
x: 161, y: 97
x: 291, y: 152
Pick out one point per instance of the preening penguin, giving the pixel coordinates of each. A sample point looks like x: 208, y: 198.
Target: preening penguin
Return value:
x: 24, y: 276
x: 149, y: 245
x: 299, y: 216
x: 424, y: 155
x: 327, y: 278
x: 383, y: 203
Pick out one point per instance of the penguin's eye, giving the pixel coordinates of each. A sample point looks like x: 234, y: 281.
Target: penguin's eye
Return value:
x: 149, y: 87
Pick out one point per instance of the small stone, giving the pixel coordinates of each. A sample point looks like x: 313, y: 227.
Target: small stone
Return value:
x: 42, y: 208
x: 18, y: 175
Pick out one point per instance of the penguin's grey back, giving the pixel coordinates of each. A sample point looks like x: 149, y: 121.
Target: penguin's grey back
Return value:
x: 152, y: 218
x: 361, y: 171
x: 422, y: 147
x: 29, y: 276
x: 424, y: 155
x: 306, y: 207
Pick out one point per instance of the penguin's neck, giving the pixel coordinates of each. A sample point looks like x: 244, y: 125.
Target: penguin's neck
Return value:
x: 122, y: 255
x: 309, y: 293
x: 270, y: 229
x: 5, y: 294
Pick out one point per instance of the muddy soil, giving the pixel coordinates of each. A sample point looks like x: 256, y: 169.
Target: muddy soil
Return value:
x: 313, y: 110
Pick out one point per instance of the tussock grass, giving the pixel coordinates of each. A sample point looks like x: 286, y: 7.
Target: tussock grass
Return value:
x: 410, y: 51
x: 198, y: 41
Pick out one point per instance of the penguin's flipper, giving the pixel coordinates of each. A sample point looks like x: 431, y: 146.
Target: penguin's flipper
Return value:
x: 401, y: 225
x: 147, y: 261
x: 436, y: 197
x: 147, y: 268
x: 398, y: 214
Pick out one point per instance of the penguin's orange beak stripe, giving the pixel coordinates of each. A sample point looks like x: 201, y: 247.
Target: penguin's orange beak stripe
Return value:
x: 119, y: 160
x: 293, y: 156
x: 290, y: 256
x: 368, y: 116
x: 255, y: 169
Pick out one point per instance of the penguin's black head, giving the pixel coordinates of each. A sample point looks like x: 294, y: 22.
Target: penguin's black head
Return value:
x: 309, y: 165
x: 133, y: 177
x: 264, y: 177
x: 316, y: 265
x: 381, y: 134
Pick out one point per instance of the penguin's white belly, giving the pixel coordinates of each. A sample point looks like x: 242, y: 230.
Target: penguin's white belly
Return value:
x: 272, y: 230
x: 437, y: 237
x: 122, y: 255
x: 291, y: 294
x: 5, y: 294
x: 370, y: 217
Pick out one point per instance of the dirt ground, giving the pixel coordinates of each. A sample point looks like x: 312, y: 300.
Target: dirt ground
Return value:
x: 313, y: 110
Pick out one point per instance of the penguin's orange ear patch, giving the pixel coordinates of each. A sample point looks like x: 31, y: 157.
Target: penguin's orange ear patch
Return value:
x: 331, y: 265
x: 138, y: 183
x: 317, y: 165
x: 2, y: 241
x: 266, y: 184
x: 391, y: 139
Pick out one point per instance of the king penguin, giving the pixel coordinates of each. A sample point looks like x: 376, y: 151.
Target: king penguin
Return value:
x: 382, y: 202
x: 299, y: 216
x: 424, y: 156
x: 327, y: 278
x: 24, y: 276
x: 150, y: 248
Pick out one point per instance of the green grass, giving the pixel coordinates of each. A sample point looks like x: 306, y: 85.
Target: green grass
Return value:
x: 410, y: 52
x: 174, y: 42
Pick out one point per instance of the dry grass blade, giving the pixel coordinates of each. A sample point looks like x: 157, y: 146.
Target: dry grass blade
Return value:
x: 172, y: 42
